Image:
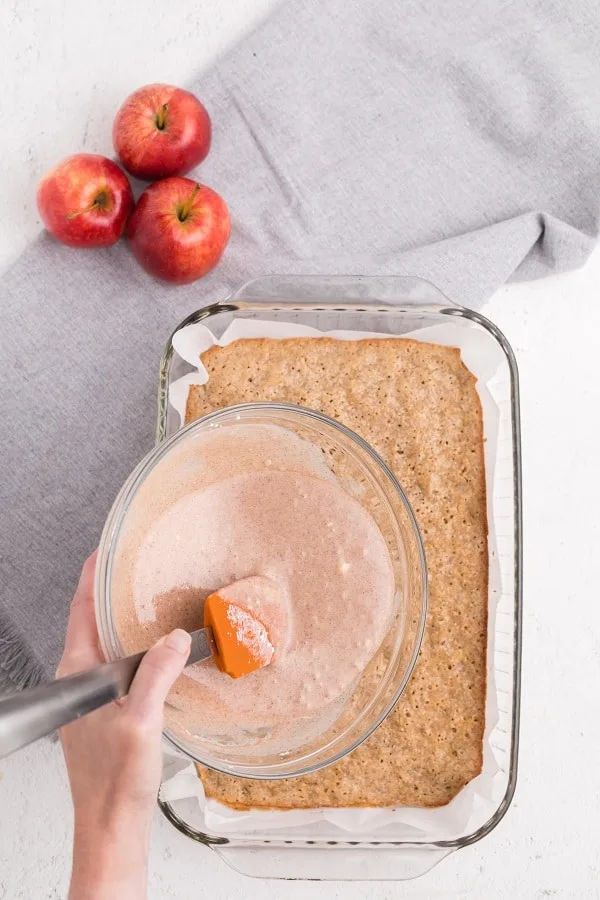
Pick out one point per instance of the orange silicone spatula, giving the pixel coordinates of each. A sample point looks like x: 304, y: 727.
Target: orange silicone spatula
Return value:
x: 237, y: 641
x: 243, y: 644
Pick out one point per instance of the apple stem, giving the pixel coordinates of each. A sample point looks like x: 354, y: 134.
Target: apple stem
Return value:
x: 99, y: 203
x: 161, y: 117
x: 184, y: 210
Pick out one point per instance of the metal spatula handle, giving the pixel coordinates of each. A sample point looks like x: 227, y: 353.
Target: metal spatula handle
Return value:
x: 32, y: 714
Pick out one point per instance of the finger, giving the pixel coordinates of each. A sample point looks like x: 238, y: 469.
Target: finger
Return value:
x: 160, y: 667
x: 81, y: 642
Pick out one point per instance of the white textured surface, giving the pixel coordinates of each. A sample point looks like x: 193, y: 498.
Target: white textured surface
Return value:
x: 64, y: 68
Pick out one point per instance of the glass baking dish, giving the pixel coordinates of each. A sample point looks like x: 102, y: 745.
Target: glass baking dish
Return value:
x: 387, y: 305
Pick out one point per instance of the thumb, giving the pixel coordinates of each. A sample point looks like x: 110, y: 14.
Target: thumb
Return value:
x: 161, y: 665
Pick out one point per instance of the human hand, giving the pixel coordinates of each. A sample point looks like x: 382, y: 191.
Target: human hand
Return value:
x: 114, y: 759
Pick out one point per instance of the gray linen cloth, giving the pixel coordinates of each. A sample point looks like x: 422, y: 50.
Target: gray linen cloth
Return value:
x: 458, y: 141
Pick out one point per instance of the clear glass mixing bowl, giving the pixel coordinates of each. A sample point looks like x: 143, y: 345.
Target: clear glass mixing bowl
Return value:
x: 364, y: 475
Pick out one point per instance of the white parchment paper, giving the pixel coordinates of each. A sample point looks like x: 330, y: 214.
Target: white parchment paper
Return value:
x: 472, y: 803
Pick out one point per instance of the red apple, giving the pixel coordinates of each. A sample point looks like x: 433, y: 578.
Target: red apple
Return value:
x: 179, y: 229
x: 161, y: 131
x: 85, y: 201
